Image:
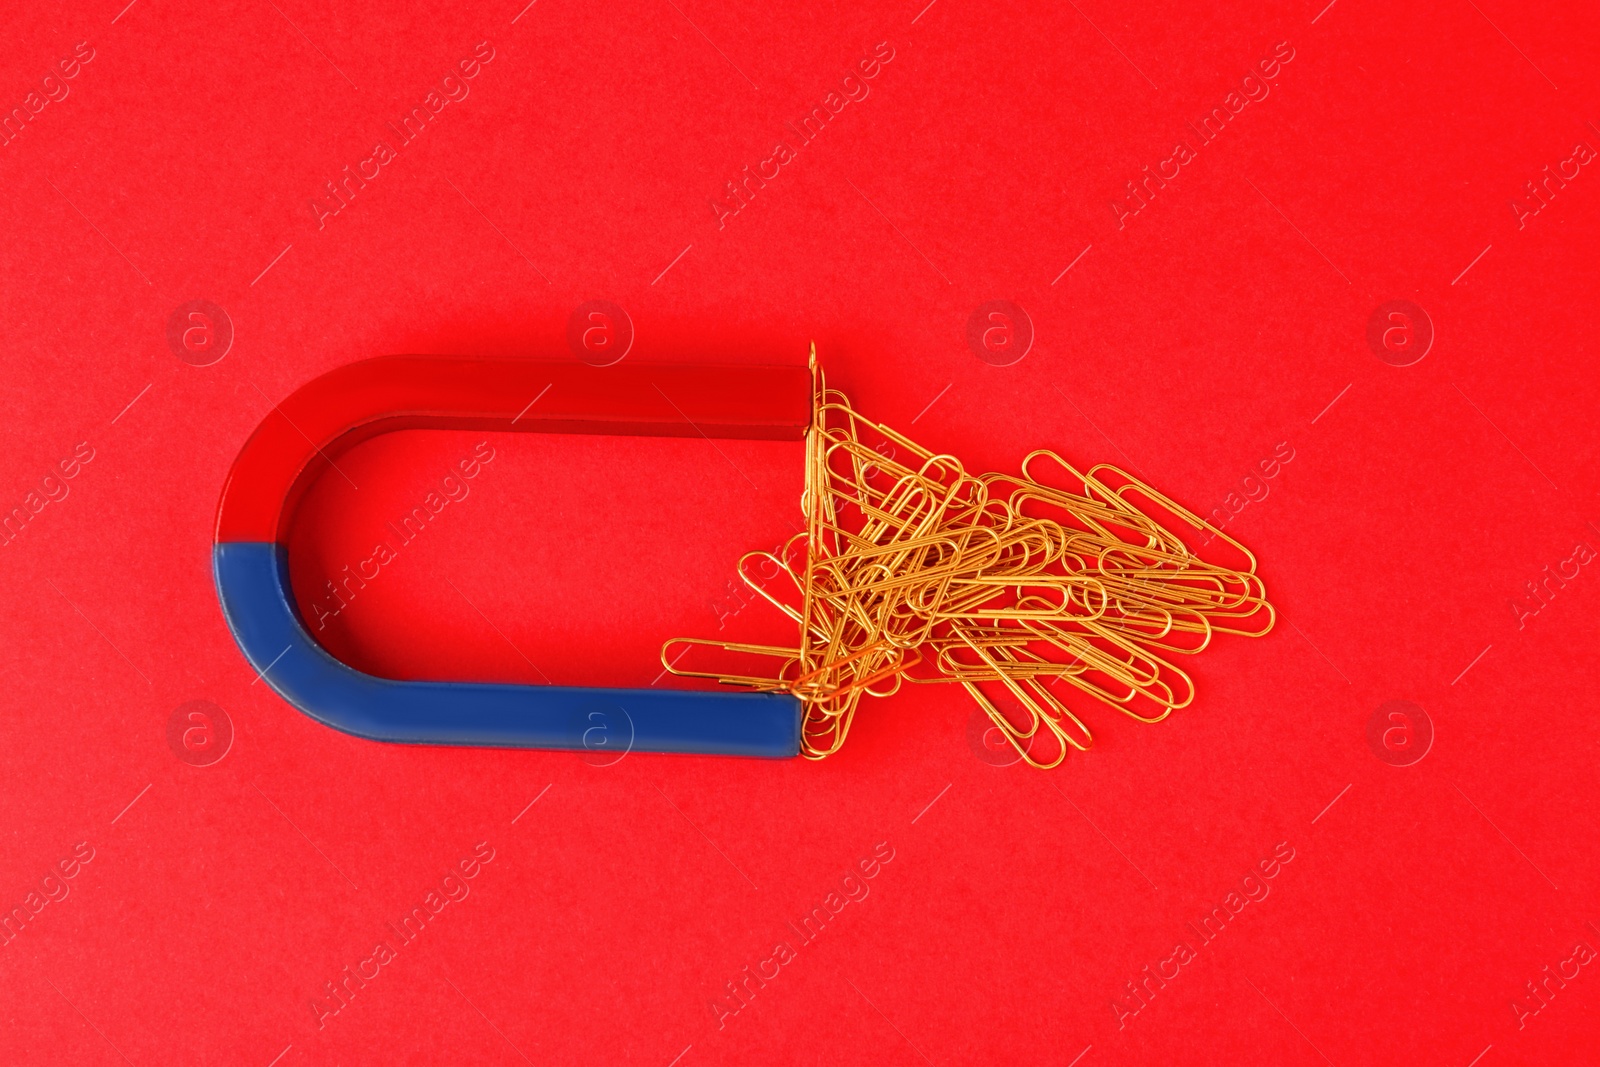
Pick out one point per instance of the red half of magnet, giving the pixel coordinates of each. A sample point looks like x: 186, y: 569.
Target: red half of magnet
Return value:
x: 303, y: 434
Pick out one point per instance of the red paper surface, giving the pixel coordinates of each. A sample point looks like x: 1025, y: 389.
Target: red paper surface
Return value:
x: 1367, y: 154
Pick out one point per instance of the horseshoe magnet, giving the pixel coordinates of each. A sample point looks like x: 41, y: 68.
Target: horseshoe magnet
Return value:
x: 301, y: 437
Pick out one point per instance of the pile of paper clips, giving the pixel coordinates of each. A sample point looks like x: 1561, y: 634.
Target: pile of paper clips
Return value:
x: 911, y: 569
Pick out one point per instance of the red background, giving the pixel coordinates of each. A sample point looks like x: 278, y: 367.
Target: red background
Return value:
x: 1223, y: 318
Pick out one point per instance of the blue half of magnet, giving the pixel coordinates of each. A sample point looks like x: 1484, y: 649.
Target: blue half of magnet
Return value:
x: 253, y: 585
